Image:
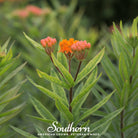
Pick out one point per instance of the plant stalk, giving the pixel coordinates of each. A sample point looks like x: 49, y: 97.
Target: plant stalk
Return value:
x: 56, y: 67
x: 122, y: 113
x: 122, y: 123
x: 130, y: 79
x: 70, y: 91
x: 77, y: 70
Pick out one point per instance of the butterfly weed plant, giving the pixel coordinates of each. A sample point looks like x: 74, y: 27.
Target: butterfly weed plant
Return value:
x: 124, y: 77
x: 69, y: 92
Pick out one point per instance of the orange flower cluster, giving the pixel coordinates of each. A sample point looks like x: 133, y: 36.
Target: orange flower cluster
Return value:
x: 65, y: 45
x: 69, y: 47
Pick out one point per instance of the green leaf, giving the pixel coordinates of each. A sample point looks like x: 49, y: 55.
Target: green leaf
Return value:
x: 134, y: 27
x: 11, y: 92
x: 10, y: 95
x: 91, y: 78
x: 112, y: 104
x: 125, y: 93
x: 96, y: 125
x: 90, y: 66
x: 41, y: 119
x: 5, y: 45
x: 102, y: 130
x: 52, y: 79
x: 89, y: 81
x: 34, y: 43
x: 84, y: 92
x: 64, y: 71
x: 7, y: 58
x: 130, y: 126
x: 99, y: 97
x: 12, y: 74
x: 123, y: 67
x: 41, y: 109
x: 10, y: 99
x: 49, y: 93
x: 11, y: 113
x: 112, y: 73
x: 120, y: 44
x: 62, y: 108
x: 62, y: 59
x: 95, y: 108
x: 5, y: 68
x: 135, y: 62
x: 26, y: 134
x: 57, y: 89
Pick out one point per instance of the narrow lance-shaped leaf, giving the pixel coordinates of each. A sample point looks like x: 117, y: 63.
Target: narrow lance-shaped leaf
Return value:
x: 7, y: 58
x: 58, y: 89
x: 5, y: 68
x: 10, y: 99
x: 62, y: 59
x: 26, y: 134
x: 123, y: 68
x: 62, y: 108
x: 41, y: 109
x: 96, y: 125
x: 11, y: 115
x: 11, y: 92
x: 40, y: 119
x: 130, y: 126
x: 12, y: 111
x: 64, y: 71
x: 134, y: 27
x: 77, y: 99
x: 122, y: 44
x: 3, y: 48
x: 52, y: 79
x: 135, y: 62
x: 95, y: 108
x: 112, y: 73
x: 125, y: 93
x: 13, y: 73
x: 89, y: 81
x: 49, y: 93
x: 102, y: 130
x: 34, y: 43
x: 90, y: 66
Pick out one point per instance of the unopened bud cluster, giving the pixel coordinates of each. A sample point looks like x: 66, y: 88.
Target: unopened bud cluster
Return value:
x: 80, y: 49
x: 48, y: 43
